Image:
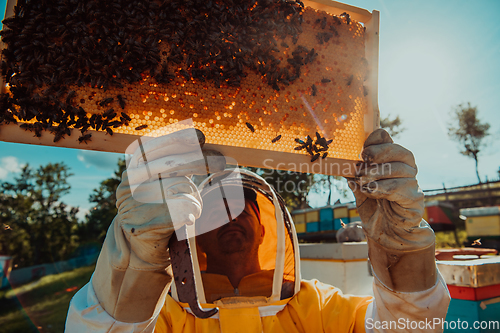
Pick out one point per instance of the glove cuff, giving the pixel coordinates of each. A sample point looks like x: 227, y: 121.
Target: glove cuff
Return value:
x: 128, y: 294
x: 403, y: 270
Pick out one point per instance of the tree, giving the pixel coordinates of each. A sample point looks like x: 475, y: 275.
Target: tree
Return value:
x: 393, y: 126
x: 40, y: 226
x: 100, y: 216
x: 469, y: 132
x: 292, y: 186
x: 295, y: 187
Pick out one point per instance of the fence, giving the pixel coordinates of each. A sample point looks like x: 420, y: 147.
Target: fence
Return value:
x: 24, y: 275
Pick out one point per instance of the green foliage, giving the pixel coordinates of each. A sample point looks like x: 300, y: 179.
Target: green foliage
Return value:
x: 392, y: 126
x: 469, y: 132
x: 292, y: 186
x: 295, y: 187
x: 101, y: 215
x: 446, y: 239
x: 38, y: 227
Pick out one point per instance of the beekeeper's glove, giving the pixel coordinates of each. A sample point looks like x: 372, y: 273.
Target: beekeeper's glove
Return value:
x: 133, y: 271
x: 391, y: 204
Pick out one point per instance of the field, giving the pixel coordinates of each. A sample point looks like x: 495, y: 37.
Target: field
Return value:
x: 41, y: 306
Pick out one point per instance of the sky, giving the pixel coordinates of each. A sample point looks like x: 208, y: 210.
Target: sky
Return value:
x: 433, y: 56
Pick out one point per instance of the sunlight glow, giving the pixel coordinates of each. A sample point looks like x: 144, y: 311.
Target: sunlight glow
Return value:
x: 419, y: 69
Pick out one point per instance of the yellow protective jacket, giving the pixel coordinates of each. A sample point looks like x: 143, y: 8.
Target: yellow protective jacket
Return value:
x: 273, y: 300
x: 316, y: 308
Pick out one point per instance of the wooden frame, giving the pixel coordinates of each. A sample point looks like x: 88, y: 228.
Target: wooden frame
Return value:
x: 245, y: 156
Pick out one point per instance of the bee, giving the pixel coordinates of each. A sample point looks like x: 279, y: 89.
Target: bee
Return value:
x: 121, y: 101
x: 299, y: 141
x: 84, y: 138
x: 109, y: 131
x: 185, y: 73
x: 323, y: 37
x: 336, y: 20
x: 285, y: 45
x: 311, y: 55
x: 349, y: 80
x: 314, y: 90
x: 365, y: 91
x: 250, y: 127
x: 109, y: 114
x: 347, y: 17
x: 324, y: 155
x: 6, y: 227
x: 70, y: 96
x: 138, y: 128
x: 325, y: 80
x: 315, y: 157
x: 106, y: 101
x: 98, y: 122
x: 58, y: 136
x: 115, y: 123
x: 323, y: 22
x: 276, y: 139
x: 342, y: 224
x: 477, y: 242
x: 334, y: 30
x: 124, y: 115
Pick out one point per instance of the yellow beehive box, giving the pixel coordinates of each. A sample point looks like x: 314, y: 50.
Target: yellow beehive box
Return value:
x: 483, y: 226
x: 312, y: 216
x: 297, y: 91
x: 340, y: 212
x: 300, y: 228
x: 299, y: 218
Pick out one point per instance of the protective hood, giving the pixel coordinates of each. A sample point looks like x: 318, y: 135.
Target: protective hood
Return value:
x: 278, y: 256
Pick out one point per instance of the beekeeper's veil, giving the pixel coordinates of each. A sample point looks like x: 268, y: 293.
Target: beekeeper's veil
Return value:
x: 278, y: 253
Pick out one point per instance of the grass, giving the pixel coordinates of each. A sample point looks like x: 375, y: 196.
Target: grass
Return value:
x: 41, y: 306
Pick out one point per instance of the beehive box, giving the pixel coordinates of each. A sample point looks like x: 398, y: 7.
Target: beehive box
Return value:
x: 272, y: 84
x: 341, y: 212
x: 312, y: 216
x: 475, y: 316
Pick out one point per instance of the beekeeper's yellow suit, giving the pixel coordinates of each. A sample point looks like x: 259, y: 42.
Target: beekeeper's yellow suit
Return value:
x: 274, y: 299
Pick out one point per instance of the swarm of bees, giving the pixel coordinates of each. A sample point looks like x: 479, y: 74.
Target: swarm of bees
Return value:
x: 54, y: 45
x: 316, y: 148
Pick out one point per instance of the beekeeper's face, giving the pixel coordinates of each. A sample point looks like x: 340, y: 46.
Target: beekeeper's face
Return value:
x: 242, y: 235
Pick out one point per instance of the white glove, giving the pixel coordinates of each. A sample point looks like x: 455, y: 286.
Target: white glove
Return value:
x: 391, y: 205
x: 131, y: 278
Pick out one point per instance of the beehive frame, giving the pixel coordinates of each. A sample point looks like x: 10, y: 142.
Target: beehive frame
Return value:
x: 245, y: 156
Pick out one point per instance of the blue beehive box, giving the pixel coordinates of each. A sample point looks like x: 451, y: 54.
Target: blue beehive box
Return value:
x: 484, y: 314
x: 325, y: 225
x: 312, y: 227
x: 326, y: 215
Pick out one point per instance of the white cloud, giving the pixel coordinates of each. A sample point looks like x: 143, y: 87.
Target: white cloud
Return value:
x: 100, y: 160
x: 9, y: 164
x: 81, y: 213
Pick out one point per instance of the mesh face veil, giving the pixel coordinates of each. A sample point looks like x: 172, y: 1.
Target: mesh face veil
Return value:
x: 278, y: 256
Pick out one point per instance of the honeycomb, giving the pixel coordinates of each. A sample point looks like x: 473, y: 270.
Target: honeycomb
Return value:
x: 265, y: 108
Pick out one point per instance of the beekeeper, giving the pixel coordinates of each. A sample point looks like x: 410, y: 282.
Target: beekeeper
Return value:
x: 249, y: 268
